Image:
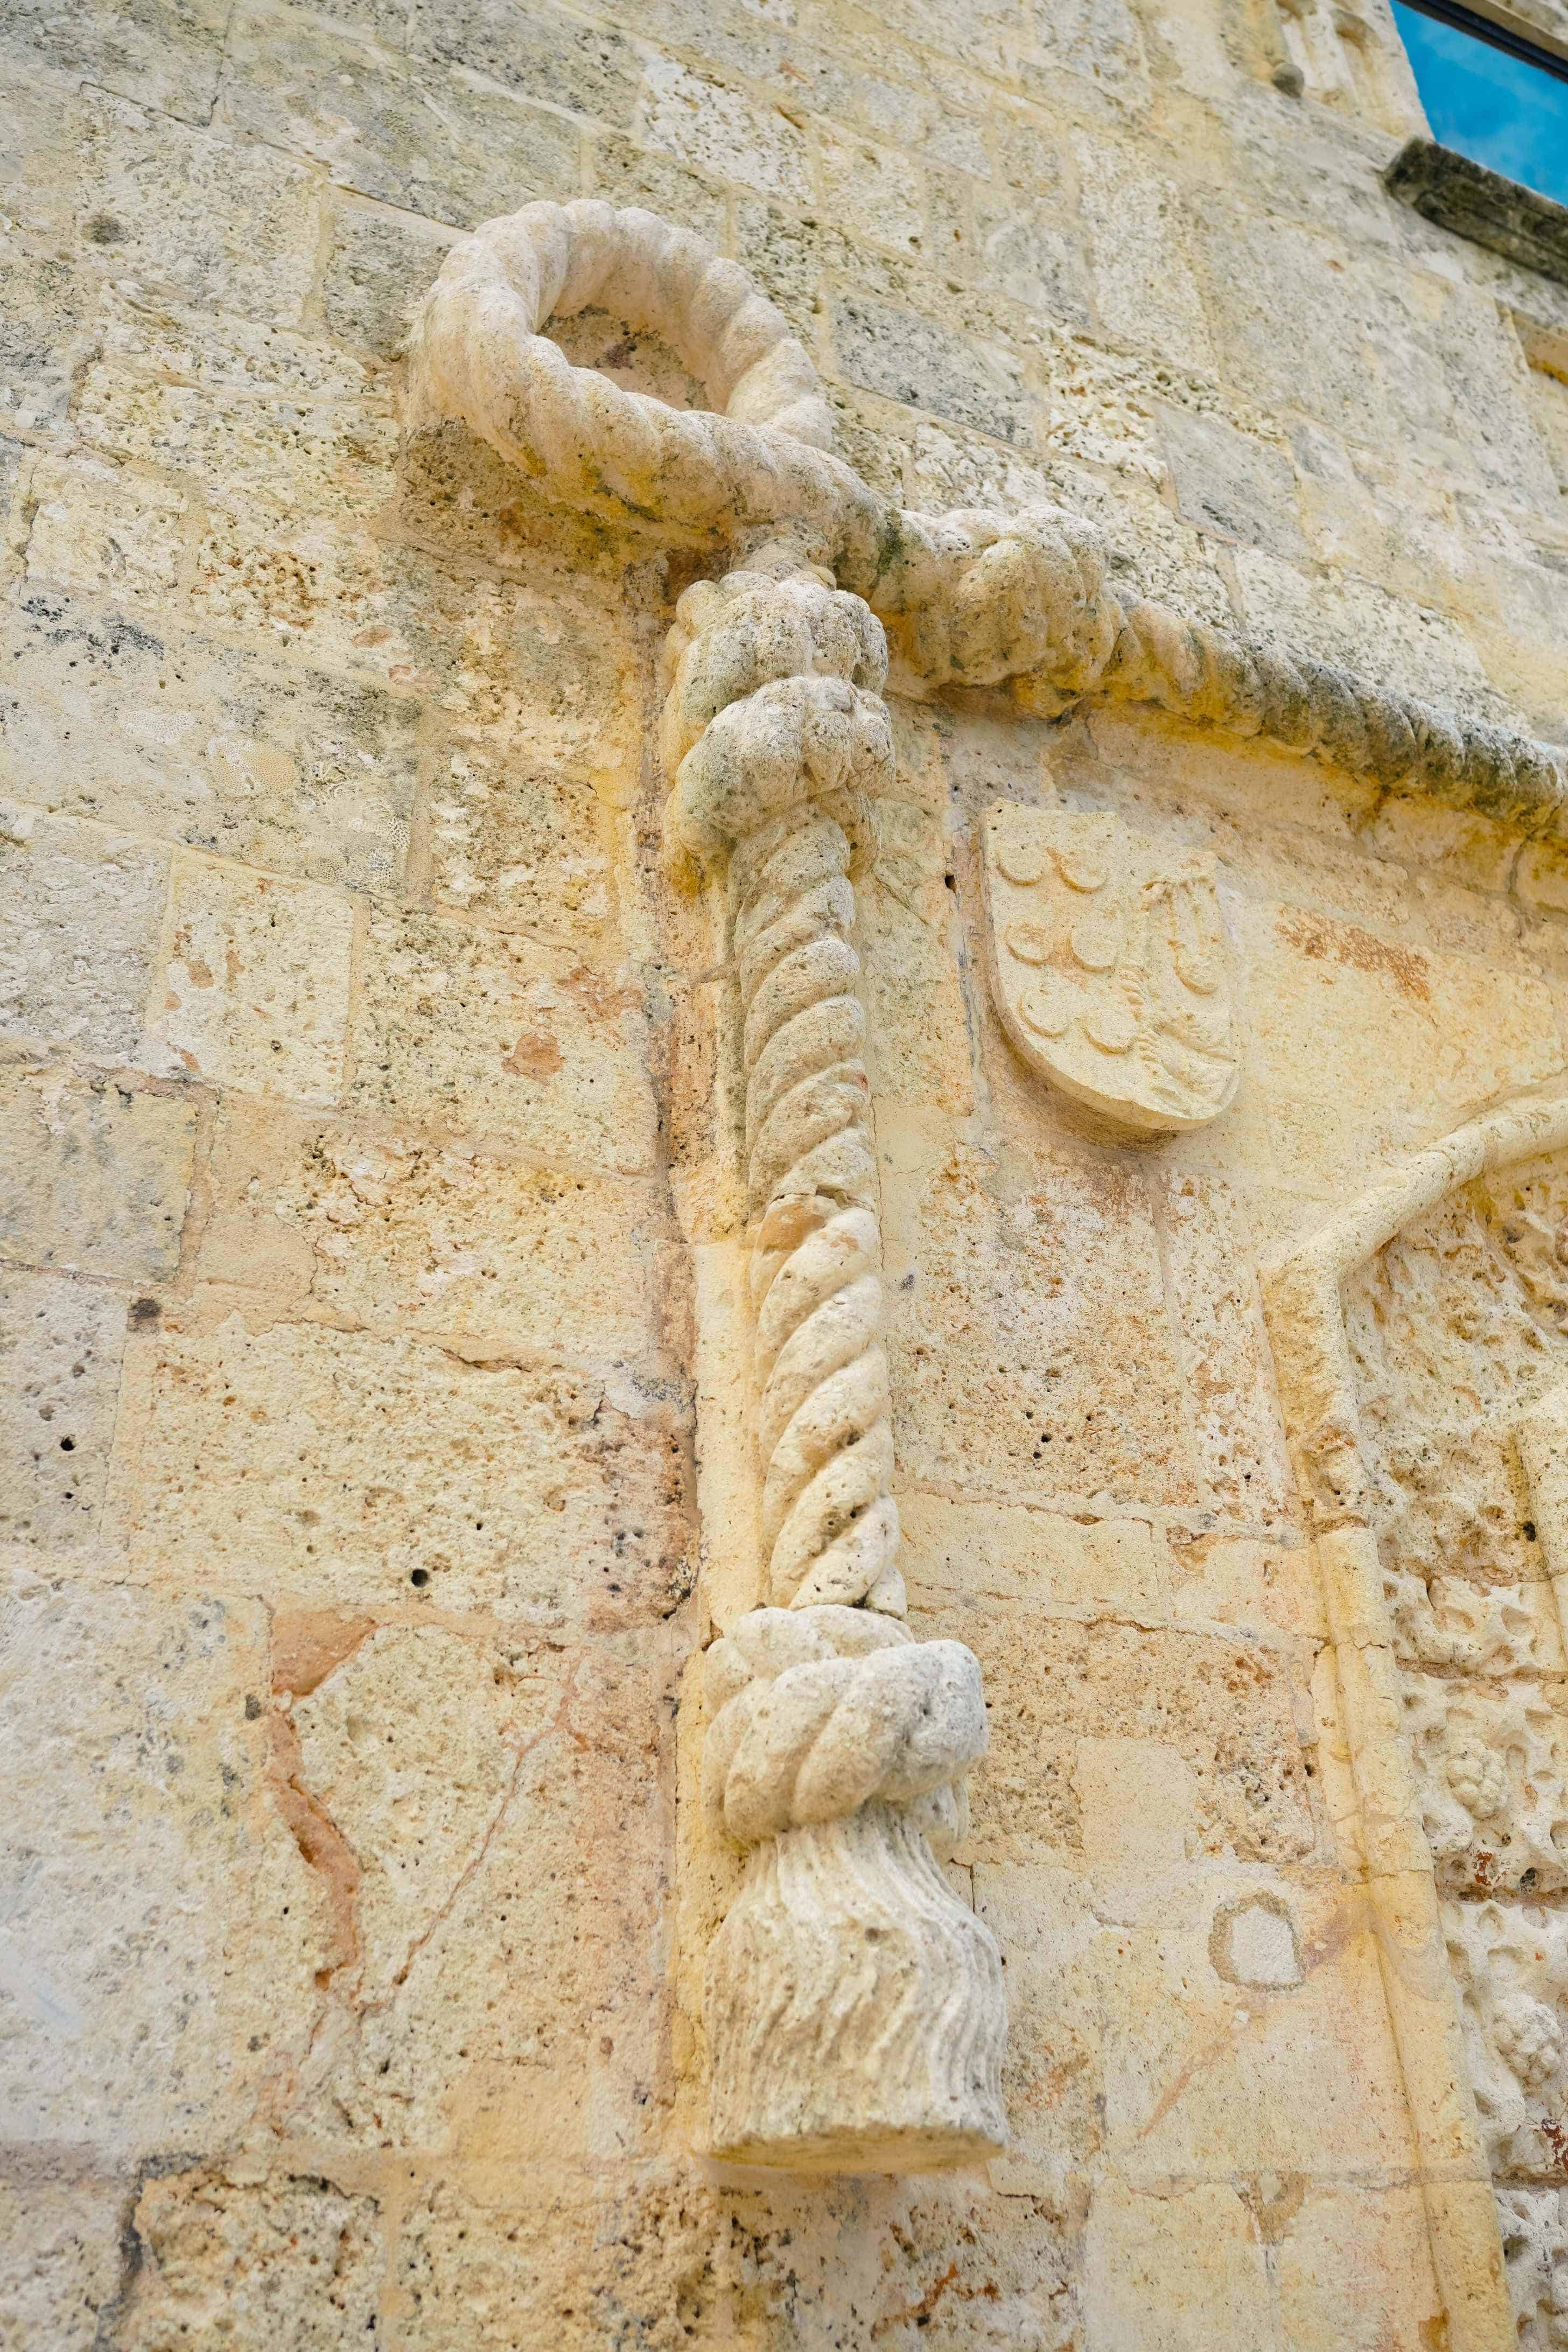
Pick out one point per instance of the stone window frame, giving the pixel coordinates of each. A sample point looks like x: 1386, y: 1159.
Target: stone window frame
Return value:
x: 1303, y: 1298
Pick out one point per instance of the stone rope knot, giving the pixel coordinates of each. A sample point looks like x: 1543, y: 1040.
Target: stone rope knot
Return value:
x: 818, y: 1712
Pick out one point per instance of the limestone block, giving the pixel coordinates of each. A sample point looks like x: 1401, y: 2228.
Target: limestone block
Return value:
x: 1241, y: 1581
x: 718, y: 132
x: 781, y: 2261
x: 1095, y: 40
x: 203, y: 743
x: 410, y: 1748
x: 1238, y: 1431
x: 255, y: 992
x: 1033, y: 254
x: 60, y: 1347
x: 168, y: 57
x: 48, y: 312
x: 870, y: 191
x: 1490, y: 431
x: 1111, y: 1564
x: 398, y: 128
x: 1329, y: 999
x: 1228, y: 2055
x: 1352, y: 2267
x: 254, y: 2257
x: 1144, y: 289
x: 207, y: 219
x: 60, y: 2256
x: 112, y: 532
x: 520, y: 2020
x: 1226, y: 1706
x: 1357, y: 624
x: 147, y: 2007
x: 1051, y: 2077
x: 383, y: 1232
x: 372, y: 259
x: 533, y: 1494
x: 1228, y: 482
x: 552, y: 2274
x: 910, y: 945
x: 625, y: 173
x: 333, y: 457
x: 481, y: 1032
x: 922, y: 364
x: 1031, y: 1355
x: 1298, y: 326
x: 517, y: 844
x: 1181, y: 2271
x: 532, y: 51
x: 94, y: 1172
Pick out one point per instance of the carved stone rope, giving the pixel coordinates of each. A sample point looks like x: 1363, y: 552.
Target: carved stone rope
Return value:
x: 780, y: 775
x: 980, y: 599
x: 854, y: 2008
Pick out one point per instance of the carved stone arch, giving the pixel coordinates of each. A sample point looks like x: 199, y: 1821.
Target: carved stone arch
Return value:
x: 1421, y: 1341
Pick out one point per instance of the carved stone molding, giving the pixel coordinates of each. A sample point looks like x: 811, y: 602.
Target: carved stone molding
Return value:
x: 976, y: 598
x: 1109, y: 967
x: 853, y: 2006
x: 855, y: 2009
x: 1444, y: 1611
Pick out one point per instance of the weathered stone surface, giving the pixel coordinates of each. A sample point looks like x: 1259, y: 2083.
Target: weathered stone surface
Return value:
x: 82, y: 911
x: 465, y: 1029
x: 392, y: 127
x: 148, y: 2008
x: 360, y: 1879
x: 397, y: 1234
x: 532, y: 1494
x: 254, y: 2254
x: 95, y: 1172
x: 1463, y: 196
x: 255, y: 990
x: 991, y: 1346
x: 202, y: 743
x: 62, y: 1344
x: 59, y: 2237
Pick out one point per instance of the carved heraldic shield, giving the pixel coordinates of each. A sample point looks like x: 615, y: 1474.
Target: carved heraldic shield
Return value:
x: 1109, y: 965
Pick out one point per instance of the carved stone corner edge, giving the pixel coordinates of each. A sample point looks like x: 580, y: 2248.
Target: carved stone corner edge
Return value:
x: 1303, y: 1306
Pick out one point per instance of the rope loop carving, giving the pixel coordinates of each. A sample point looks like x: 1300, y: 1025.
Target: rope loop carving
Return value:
x: 978, y: 599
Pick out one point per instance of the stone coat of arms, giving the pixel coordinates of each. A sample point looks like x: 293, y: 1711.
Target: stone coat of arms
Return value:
x: 1109, y: 965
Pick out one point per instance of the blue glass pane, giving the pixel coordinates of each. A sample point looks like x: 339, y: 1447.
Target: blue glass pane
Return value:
x: 1493, y: 107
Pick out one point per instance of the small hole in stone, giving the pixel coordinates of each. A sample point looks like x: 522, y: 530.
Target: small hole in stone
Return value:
x: 68, y: 1445
x: 420, y: 1576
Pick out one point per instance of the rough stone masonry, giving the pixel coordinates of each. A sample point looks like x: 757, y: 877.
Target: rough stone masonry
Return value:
x: 548, y: 1306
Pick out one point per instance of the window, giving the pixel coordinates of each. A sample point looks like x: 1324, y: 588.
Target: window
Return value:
x: 1493, y: 92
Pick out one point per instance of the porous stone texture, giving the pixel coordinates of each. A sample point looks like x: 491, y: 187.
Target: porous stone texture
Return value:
x: 378, y: 1430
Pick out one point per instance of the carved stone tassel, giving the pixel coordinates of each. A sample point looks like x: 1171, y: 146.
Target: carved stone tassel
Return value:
x: 854, y: 2006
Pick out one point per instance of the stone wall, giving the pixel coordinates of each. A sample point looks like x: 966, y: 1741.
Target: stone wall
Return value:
x: 370, y: 1463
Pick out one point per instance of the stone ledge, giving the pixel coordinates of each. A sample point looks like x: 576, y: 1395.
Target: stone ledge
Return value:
x: 1472, y: 202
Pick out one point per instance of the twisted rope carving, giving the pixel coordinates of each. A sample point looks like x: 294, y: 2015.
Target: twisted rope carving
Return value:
x: 817, y: 1714
x: 979, y: 598
x: 783, y: 746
